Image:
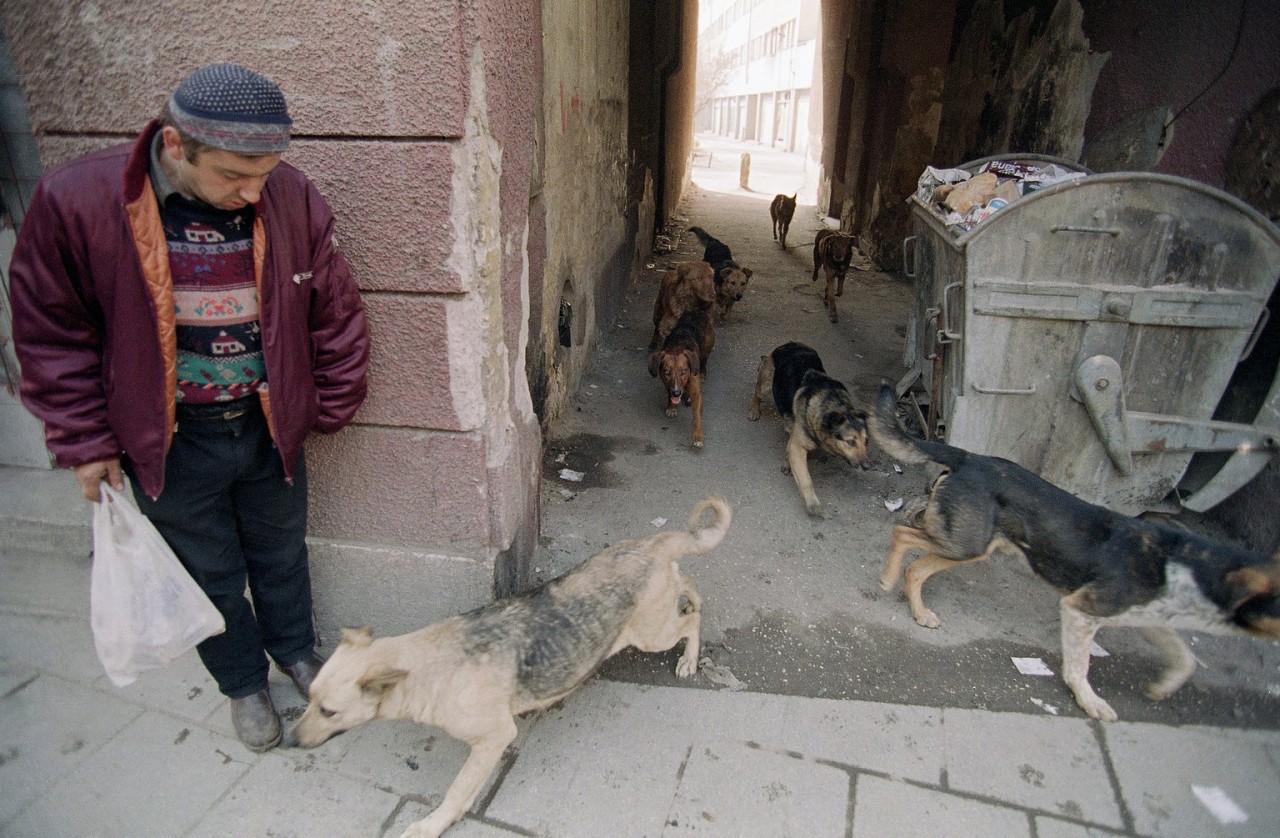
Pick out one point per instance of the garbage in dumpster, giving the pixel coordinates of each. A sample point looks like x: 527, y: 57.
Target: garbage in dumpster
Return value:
x: 966, y: 199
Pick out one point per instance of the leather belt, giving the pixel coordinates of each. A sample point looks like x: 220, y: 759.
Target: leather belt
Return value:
x: 209, y: 412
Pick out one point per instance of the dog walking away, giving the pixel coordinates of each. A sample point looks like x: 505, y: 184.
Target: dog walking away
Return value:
x: 691, y: 286
x: 731, y: 278
x: 1113, y: 569
x: 472, y: 674
x: 781, y: 211
x: 816, y: 412
x: 832, y: 253
x: 681, y: 365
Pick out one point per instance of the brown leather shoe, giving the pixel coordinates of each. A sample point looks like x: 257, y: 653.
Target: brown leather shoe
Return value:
x: 255, y: 721
x: 304, y: 672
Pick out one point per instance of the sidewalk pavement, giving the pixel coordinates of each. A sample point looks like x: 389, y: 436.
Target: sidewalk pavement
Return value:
x: 79, y: 757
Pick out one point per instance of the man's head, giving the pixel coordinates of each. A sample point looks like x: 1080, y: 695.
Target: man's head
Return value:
x: 225, y: 128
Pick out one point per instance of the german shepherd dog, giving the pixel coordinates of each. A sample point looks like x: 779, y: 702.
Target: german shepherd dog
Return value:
x: 472, y: 674
x: 681, y: 365
x: 1112, y: 569
x: 832, y: 252
x: 690, y: 286
x: 816, y: 412
x: 731, y: 278
x: 781, y: 211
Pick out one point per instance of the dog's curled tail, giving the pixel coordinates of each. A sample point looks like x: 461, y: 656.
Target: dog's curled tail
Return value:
x: 707, y: 538
x: 703, y: 235
x: 882, y: 425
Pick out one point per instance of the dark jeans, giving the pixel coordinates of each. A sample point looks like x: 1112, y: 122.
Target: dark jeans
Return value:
x: 230, y: 517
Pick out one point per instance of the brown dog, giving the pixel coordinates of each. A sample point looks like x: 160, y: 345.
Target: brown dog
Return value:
x: 1110, y: 568
x: 832, y: 252
x: 782, y: 210
x: 731, y: 278
x: 681, y: 365
x: 474, y: 673
x: 690, y: 287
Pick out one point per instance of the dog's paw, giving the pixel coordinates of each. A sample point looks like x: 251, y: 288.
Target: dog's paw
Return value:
x: 753, y: 415
x: 697, y: 443
x: 928, y: 619
x: 1097, y: 708
x: 424, y: 829
x: 671, y: 413
x: 814, y: 509
x: 686, y: 666
x: 887, y: 583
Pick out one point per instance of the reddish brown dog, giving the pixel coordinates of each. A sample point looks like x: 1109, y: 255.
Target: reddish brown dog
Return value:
x: 690, y: 287
x: 832, y: 252
x: 781, y: 211
x: 681, y: 365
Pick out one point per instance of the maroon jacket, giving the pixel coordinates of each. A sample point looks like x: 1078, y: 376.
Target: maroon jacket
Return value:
x: 93, y: 315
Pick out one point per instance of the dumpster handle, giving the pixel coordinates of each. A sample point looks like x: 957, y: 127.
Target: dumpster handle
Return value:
x: 1004, y: 391
x: 945, y: 320
x: 1257, y: 333
x: 911, y: 244
x: 1072, y: 228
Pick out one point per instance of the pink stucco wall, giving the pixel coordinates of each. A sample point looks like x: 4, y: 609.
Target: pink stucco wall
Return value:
x: 392, y: 105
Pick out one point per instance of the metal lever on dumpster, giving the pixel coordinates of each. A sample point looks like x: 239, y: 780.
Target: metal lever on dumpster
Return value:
x: 1099, y: 385
x: 1124, y: 433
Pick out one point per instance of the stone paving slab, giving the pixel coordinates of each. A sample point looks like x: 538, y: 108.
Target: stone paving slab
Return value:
x: 902, y: 810
x: 1158, y: 766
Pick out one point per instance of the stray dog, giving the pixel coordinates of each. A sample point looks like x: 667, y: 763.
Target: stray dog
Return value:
x: 681, y: 364
x: 832, y: 252
x: 782, y: 210
x: 731, y: 278
x: 472, y: 674
x: 691, y: 286
x: 815, y: 409
x: 1113, y: 569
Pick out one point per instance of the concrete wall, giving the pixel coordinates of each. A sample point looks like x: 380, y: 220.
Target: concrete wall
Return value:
x: 418, y: 123
x: 581, y: 193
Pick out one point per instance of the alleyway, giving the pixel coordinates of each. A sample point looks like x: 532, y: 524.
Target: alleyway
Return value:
x: 792, y: 604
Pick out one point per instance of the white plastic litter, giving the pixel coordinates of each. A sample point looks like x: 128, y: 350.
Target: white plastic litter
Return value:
x: 893, y: 505
x: 570, y: 474
x: 1098, y: 652
x: 659, y: 522
x: 1032, y: 666
x: 1219, y: 804
x: 1045, y: 706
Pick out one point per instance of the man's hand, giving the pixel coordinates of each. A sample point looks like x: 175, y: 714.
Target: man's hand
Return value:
x: 90, y: 475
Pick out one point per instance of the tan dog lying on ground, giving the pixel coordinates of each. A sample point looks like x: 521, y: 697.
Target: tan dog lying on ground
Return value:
x: 781, y: 211
x: 832, y: 252
x: 681, y: 365
x: 472, y: 674
x: 691, y: 286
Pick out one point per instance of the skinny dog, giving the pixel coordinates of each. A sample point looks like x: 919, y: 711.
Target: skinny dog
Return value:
x: 832, y: 252
x: 691, y: 286
x: 731, y: 278
x: 1113, y: 569
x: 474, y: 673
x: 681, y: 365
x: 816, y: 412
x: 781, y: 211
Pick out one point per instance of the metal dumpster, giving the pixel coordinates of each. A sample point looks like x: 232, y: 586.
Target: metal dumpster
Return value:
x: 1088, y: 331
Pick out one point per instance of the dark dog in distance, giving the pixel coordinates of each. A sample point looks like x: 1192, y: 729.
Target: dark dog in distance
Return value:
x: 816, y: 412
x: 1111, y: 568
x: 781, y: 211
x: 731, y: 278
x: 832, y: 253
x: 691, y: 286
x: 681, y: 365
x: 472, y: 674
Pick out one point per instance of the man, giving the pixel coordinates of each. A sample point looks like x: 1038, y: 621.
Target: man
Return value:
x: 182, y: 315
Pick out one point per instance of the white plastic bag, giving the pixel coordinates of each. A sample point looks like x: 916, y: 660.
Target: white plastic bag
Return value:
x: 144, y: 607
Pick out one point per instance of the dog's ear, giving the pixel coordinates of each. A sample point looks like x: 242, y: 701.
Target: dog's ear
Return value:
x: 1249, y: 583
x: 380, y: 678
x: 362, y: 636
x: 747, y: 273
x: 654, y: 360
x: 693, y: 361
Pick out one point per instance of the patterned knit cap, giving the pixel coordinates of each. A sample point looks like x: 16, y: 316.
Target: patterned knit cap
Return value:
x: 232, y: 108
